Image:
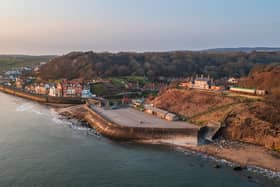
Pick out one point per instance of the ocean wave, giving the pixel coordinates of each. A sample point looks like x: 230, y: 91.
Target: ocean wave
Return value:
x: 24, y: 107
x: 31, y: 107
x: 71, y: 123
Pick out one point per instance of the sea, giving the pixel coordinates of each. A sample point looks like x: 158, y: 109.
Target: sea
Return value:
x: 40, y: 148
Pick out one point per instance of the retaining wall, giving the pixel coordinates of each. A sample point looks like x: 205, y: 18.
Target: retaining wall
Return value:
x: 41, y: 98
x: 110, y: 129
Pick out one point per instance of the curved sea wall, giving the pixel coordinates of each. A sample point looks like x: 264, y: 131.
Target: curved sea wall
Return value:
x: 41, y: 98
x: 110, y: 129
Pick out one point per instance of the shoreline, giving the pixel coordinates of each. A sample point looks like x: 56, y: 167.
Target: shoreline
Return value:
x: 222, y: 161
x: 243, y: 154
x: 244, y: 151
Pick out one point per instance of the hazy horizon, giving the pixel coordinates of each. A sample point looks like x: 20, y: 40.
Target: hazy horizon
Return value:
x: 57, y: 27
x: 131, y: 51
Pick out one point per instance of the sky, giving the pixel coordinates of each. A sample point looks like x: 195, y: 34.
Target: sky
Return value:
x: 60, y: 26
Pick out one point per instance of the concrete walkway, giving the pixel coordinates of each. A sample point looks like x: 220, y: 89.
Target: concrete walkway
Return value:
x: 133, y: 118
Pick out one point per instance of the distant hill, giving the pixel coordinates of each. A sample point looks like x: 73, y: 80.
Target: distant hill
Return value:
x: 243, y: 49
x: 8, y: 62
x: 90, y: 65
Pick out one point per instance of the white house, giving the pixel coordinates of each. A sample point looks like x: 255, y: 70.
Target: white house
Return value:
x: 55, y: 91
x: 52, y: 91
x: 232, y: 80
x: 202, y: 82
x: 86, y: 93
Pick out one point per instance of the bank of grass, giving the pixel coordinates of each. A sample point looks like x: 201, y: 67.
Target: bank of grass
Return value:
x: 200, y: 118
x: 121, y: 81
x: 217, y: 114
x: 277, y: 150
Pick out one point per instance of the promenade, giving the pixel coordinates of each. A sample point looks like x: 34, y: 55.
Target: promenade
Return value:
x: 130, y: 117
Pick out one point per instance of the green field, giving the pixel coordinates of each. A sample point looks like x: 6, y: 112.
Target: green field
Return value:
x: 120, y: 81
x: 8, y: 62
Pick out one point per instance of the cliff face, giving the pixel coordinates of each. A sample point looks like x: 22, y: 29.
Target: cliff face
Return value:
x: 257, y: 123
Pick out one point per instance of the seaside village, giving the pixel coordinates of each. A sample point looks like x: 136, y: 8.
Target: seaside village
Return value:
x: 63, y: 88
x: 82, y: 89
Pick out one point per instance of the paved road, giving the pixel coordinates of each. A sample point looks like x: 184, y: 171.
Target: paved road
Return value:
x: 134, y: 118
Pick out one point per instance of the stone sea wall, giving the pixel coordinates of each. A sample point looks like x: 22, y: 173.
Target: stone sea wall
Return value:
x: 110, y: 129
x: 103, y: 125
x: 41, y: 98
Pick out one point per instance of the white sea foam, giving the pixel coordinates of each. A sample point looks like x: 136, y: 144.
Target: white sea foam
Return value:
x: 37, y: 112
x: 57, y: 118
x: 24, y: 107
x: 31, y: 107
x: 80, y: 128
x: 71, y: 123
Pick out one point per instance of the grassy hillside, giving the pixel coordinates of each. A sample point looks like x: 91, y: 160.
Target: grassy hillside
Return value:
x: 190, y: 103
x: 8, y: 62
x: 251, y: 121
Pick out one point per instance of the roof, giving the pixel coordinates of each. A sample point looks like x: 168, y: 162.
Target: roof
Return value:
x: 202, y: 79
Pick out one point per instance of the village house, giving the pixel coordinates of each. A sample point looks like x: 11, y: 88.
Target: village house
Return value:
x: 19, y: 83
x: 72, y: 88
x: 42, y: 89
x: 137, y: 102
x: 163, y: 114
x: 86, y: 93
x: 56, y: 90
x: 125, y: 100
x: 171, y: 117
x: 30, y: 88
x: 202, y: 83
x: 232, y: 80
x: 148, y: 108
x: 160, y: 113
x: 13, y: 73
x: 36, y: 69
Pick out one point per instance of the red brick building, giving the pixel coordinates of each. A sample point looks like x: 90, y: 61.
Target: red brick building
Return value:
x: 72, y: 88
